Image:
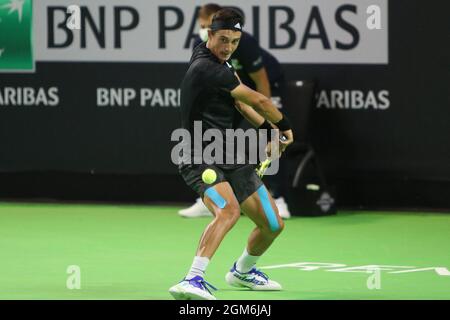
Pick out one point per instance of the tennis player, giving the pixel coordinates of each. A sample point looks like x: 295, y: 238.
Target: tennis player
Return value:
x: 212, y: 93
x: 260, y: 71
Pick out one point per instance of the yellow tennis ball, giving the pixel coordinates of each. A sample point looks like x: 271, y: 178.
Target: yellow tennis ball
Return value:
x: 209, y: 176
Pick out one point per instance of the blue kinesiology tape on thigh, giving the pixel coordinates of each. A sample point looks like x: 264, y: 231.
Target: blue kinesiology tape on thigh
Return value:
x: 268, y: 210
x: 216, y: 197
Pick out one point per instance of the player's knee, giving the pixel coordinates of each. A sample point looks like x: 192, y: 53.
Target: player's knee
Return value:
x: 280, y: 227
x: 274, y: 227
x: 275, y: 224
x: 230, y: 214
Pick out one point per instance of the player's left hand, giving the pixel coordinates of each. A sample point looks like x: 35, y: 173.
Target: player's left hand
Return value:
x: 280, y: 143
x: 287, y: 138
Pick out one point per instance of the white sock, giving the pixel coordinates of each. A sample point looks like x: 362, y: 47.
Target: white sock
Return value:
x: 246, y: 262
x: 198, y: 267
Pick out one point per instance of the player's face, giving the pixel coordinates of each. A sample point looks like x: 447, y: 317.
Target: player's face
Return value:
x: 223, y: 43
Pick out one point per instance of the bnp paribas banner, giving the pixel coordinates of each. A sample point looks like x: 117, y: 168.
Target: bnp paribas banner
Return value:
x: 16, y: 36
x: 307, y: 31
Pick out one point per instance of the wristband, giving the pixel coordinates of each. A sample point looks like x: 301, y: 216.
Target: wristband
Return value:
x: 265, y: 125
x: 284, y: 124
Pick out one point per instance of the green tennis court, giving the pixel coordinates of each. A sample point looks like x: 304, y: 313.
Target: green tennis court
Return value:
x: 139, y: 251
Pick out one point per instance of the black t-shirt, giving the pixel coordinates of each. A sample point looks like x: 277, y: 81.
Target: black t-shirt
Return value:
x: 205, y: 96
x: 249, y: 57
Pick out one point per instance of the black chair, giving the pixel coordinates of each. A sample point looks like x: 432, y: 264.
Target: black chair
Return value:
x: 299, y: 101
x: 309, y: 193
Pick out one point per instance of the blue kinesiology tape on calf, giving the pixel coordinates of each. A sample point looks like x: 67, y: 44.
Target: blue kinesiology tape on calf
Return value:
x: 268, y: 210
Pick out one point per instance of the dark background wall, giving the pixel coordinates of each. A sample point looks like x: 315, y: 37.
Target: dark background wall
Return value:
x: 398, y: 156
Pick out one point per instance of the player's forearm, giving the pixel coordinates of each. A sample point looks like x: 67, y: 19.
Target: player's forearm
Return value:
x: 260, y: 103
x: 263, y: 88
x: 268, y: 110
x: 250, y: 114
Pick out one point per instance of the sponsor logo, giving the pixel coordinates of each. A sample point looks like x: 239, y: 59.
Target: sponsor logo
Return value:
x: 353, y: 99
x: 16, y: 37
x: 236, y: 64
x: 258, y: 61
x: 325, y: 202
x: 29, y: 96
x: 142, y: 97
x: 310, y: 31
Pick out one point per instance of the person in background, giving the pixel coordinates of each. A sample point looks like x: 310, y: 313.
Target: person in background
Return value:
x: 260, y: 71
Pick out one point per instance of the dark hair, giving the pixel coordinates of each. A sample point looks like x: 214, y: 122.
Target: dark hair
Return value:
x: 208, y: 9
x: 228, y: 16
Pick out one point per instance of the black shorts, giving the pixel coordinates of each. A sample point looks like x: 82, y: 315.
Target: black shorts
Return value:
x: 243, y: 180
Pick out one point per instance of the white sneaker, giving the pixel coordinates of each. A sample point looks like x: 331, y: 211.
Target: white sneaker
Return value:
x: 282, y: 208
x: 254, y: 279
x: 198, y: 209
x: 193, y: 289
